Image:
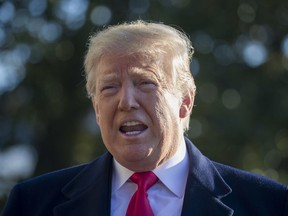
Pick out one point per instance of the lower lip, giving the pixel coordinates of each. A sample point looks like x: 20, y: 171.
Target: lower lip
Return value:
x: 134, y: 134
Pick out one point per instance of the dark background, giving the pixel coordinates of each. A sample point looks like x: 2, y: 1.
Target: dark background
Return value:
x: 240, y: 67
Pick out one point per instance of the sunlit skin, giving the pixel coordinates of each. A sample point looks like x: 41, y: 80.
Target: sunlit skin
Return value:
x: 139, y: 119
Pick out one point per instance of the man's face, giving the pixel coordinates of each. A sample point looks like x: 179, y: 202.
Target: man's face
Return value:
x: 138, y: 117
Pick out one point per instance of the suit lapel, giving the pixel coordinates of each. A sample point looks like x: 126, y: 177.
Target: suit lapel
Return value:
x: 205, y: 187
x: 89, y: 192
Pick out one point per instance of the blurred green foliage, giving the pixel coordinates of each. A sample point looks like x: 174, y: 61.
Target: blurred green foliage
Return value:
x: 240, y: 66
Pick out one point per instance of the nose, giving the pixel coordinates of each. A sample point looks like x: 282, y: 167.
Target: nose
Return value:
x: 128, y: 98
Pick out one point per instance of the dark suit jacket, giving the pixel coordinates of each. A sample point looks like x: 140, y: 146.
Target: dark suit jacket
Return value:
x: 212, y: 189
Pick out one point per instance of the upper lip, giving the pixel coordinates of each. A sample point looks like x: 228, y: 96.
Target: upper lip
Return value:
x: 130, y: 122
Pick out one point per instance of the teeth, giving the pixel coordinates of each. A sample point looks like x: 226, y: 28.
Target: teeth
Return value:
x: 133, y: 132
x: 132, y: 123
x: 132, y: 128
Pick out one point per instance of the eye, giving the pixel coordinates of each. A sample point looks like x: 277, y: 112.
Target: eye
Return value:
x: 147, y: 84
x: 108, y: 89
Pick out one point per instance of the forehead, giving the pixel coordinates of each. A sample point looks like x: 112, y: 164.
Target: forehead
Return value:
x: 111, y: 66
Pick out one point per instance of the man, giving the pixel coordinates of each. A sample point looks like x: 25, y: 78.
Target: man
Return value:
x: 139, y: 81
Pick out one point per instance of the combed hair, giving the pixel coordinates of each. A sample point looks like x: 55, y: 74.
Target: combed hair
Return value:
x: 148, y: 40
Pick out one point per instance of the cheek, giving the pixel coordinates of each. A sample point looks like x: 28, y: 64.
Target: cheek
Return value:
x: 104, y: 115
x: 167, y: 112
x: 96, y: 110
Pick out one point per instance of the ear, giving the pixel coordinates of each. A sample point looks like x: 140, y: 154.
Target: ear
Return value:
x: 96, y: 109
x: 186, y: 105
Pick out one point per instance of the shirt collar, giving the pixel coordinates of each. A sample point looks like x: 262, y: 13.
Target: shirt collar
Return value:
x: 120, y: 175
x: 172, y: 173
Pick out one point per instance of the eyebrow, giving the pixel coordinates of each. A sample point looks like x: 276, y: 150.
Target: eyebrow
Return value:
x: 144, y: 71
x: 108, y: 77
x: 133, y: 71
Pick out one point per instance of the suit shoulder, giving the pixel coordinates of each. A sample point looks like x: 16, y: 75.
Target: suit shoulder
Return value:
x: 41, y: 191
x: 41, y: 194
x: 59, y: 178
x: 250, y: 189
x: 252, y: 185
x: 233, y: 174
x: 56, y: 178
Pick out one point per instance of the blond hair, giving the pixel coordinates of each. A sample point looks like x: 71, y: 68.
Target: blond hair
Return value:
x: 148, y: 40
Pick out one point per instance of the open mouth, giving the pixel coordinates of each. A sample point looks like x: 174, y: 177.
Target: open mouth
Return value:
x: 132, y: 128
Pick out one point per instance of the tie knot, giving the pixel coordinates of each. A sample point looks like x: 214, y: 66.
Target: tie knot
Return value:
x: 144, y: 180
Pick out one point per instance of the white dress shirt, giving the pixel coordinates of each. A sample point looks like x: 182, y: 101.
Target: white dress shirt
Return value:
x: 165, y: 197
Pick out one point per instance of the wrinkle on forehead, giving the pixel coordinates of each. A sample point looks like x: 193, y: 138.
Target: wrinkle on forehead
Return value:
x: 112, y: 67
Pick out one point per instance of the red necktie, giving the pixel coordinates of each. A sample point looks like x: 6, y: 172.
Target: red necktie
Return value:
x: 139, y: 203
